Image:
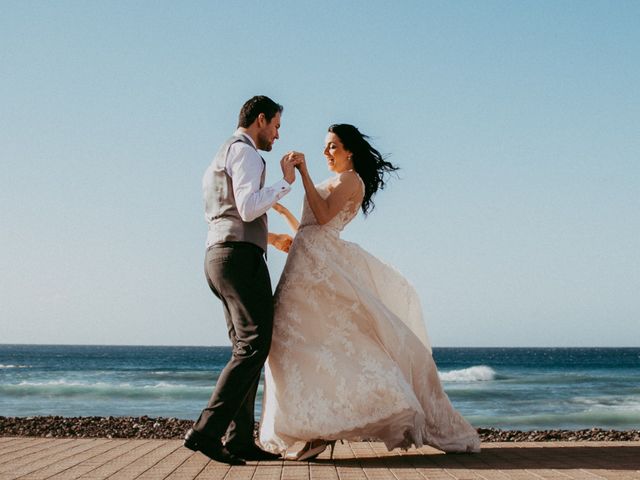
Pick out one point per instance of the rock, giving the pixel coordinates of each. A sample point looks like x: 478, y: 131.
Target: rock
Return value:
x: 174, y: 428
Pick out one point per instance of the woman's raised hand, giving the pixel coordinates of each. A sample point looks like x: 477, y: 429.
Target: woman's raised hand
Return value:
x: 298, y: 160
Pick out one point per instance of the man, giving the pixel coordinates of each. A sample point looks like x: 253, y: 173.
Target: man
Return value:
x: 236, y: 202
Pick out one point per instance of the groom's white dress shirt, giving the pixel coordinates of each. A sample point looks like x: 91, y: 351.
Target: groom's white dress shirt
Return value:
x: 245, y: 165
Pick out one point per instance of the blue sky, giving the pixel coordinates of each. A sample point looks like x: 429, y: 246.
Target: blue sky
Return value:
x: 516, y: 126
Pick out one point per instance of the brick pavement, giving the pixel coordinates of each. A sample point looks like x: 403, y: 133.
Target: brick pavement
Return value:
x: 122, y: 459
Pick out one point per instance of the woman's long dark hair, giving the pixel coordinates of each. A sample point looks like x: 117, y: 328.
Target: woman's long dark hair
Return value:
x: 367, y: 161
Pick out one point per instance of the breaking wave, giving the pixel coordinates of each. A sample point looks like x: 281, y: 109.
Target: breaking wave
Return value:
x: 478, y: 373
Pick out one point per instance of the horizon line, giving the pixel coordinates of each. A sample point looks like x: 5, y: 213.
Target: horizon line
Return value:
x: 229, y: 346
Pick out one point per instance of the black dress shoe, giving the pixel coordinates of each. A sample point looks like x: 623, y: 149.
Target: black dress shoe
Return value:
x: 254, y: 453
x: 212, y: 448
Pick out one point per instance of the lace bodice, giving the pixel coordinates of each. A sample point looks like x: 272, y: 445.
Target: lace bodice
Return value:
x: 337, y: 223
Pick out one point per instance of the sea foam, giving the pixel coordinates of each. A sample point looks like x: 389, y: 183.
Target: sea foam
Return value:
x: 478, y: 373
x: 609, y: 403
x: 67, y: 389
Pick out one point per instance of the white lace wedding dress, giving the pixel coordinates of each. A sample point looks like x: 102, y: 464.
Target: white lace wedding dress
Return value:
x: 350, y: 357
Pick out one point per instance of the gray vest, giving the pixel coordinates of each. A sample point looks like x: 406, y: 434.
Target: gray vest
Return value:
x: 225, y: 223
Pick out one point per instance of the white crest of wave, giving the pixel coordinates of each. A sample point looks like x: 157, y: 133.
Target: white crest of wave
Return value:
x: 478, y: 373
x: 13, y: 366
x: 70, y: 383
x: 63, y: 383
x: 609, y: 403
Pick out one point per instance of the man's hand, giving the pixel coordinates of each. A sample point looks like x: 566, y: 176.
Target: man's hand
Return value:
x: 288, y: 164
x: 281, y: 241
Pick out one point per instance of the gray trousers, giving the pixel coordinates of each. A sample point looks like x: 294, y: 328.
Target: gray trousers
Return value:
x: 237, y: 274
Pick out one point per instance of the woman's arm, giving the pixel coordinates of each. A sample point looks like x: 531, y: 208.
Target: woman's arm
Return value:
x: 324, y: 210
x: 288, y: 216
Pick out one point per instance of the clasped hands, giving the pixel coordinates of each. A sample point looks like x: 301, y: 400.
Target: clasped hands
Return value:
x: 281, y: 241
x: 289, y: 162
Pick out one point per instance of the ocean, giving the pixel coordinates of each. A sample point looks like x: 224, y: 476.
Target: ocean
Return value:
x: 509, y: 388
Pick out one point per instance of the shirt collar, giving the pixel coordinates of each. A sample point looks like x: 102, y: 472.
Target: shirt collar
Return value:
x: 240, y: 132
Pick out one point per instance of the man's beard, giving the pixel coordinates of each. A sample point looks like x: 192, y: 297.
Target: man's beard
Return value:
x: 263, y: 143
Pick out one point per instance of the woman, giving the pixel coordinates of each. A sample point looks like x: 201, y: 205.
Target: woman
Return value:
x: 350, y: 357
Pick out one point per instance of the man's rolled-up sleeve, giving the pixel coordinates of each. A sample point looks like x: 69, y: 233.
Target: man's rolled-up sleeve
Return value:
x: 245, y: 167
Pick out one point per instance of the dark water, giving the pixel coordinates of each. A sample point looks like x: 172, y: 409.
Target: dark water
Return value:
x: 525, y: 388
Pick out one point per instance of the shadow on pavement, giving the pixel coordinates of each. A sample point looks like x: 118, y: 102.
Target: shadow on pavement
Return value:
x: 625, y: 457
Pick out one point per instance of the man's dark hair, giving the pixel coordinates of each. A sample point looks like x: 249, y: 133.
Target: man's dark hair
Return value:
x: 254, y: 107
